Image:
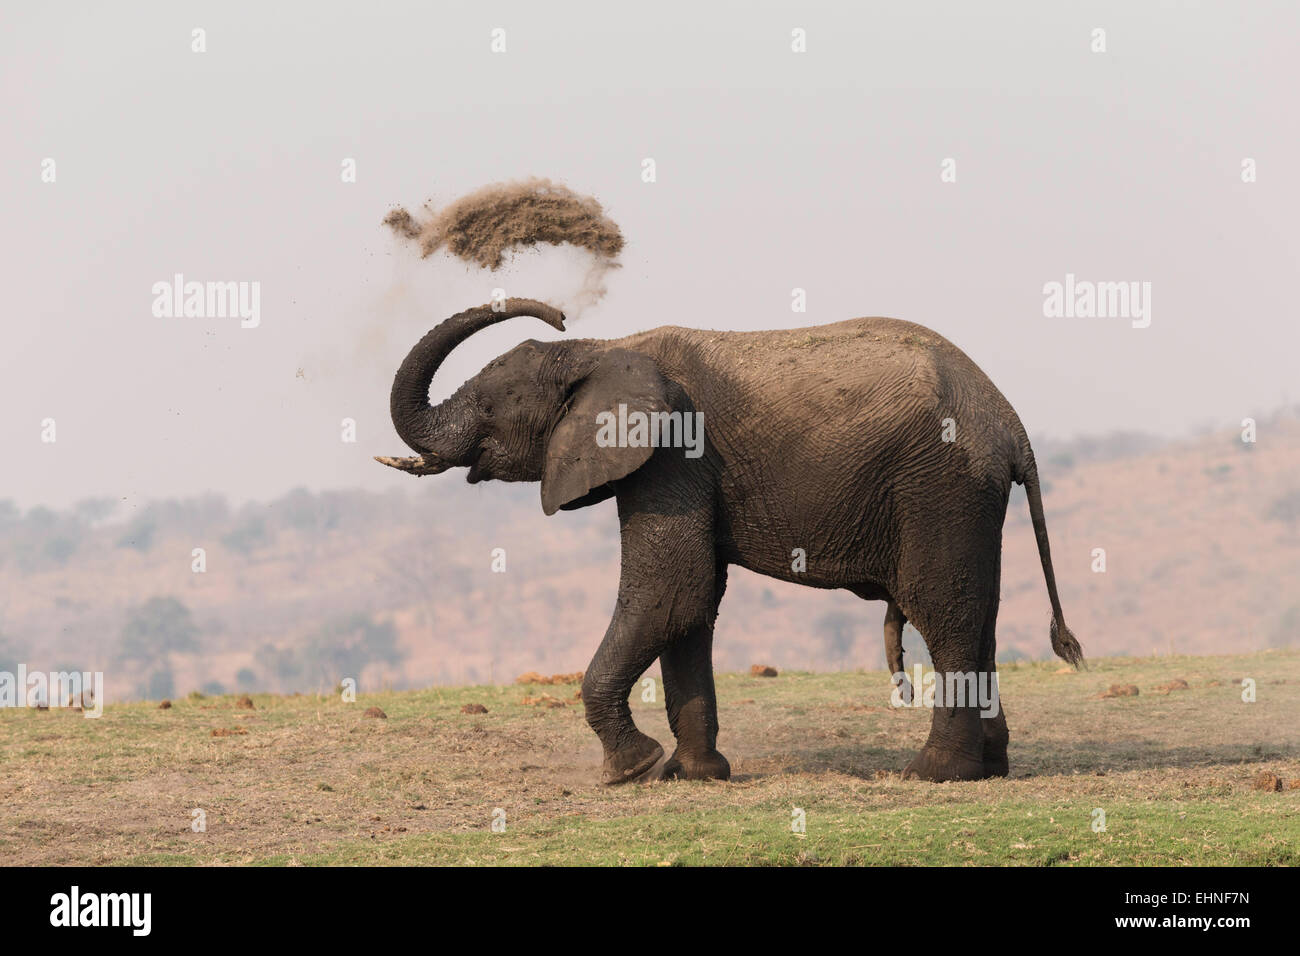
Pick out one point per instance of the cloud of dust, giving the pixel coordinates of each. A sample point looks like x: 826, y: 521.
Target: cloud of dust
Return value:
x: 482, y: 227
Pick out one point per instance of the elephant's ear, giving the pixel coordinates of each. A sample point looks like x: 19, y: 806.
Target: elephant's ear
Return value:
x: 576, y: 461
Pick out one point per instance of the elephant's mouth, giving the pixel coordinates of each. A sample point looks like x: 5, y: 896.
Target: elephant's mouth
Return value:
x: 476, y: 472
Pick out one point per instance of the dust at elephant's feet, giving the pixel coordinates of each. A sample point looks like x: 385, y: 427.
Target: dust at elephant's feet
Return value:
x: 631, y: 761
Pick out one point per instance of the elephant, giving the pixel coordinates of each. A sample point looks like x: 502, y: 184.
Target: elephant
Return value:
x: 895, y: 621
x: 869, y: 455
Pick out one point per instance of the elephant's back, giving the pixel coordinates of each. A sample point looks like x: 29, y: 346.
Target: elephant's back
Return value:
x: 861, y: 361
x: 828, y: 386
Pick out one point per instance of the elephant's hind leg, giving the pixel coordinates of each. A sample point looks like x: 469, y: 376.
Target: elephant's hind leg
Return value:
x: 955, y: 749
x: 996, y: 734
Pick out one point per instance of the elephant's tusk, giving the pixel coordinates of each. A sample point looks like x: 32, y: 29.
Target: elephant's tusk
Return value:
x: 414, y: 465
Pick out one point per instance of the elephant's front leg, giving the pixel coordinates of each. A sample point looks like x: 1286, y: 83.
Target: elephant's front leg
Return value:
x: 692, y: 702
x: 666, y: 593
x: 629, y: 647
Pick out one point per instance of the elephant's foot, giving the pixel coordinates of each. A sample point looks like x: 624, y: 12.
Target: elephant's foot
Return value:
x: 939, y: 766
x: 997, y: 767
x: 710, y: 765
x: 995, y: 751
x: 631, y: 760
x: 996, y: 737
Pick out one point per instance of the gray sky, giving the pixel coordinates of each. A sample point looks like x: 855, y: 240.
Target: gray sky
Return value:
x: 775, y: 170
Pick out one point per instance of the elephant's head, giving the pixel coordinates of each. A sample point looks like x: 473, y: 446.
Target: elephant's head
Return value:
x: 530, y: 414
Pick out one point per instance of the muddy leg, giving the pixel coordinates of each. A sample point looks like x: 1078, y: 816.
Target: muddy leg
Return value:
x: 692, y: 702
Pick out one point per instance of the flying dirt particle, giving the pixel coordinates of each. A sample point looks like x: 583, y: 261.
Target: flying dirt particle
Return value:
x: 1120, y: 690
x: 762, y: 670
x: 473, y: 709
x: 375, y: 712
x: 1264, y: 780
x: 244, y: 703
x: 532, y: 677
x: 482, y: 227
x: 165, y: 705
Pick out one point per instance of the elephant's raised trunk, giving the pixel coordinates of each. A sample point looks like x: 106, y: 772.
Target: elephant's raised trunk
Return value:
x: 437, y: 432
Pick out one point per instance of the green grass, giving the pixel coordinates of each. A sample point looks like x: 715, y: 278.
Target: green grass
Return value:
x: 966, y: 834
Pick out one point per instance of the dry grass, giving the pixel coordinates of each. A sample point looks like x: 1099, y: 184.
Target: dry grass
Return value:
x: 313, y: 780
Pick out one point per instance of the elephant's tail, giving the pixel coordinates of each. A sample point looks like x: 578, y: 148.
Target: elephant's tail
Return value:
x: 1064, y: 642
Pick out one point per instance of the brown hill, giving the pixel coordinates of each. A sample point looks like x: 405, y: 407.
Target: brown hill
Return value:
x: 1201, y: 541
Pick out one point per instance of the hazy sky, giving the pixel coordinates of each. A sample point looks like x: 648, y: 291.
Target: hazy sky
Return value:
x: 775, y: 170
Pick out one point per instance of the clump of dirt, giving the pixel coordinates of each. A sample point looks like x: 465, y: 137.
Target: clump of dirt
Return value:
x: 546, y: 700
x: 165, y: 705
x: 482, y: 227
x: 1293, y: 783
x: 473, y: 709
x: 762, y: 670
x: 375, y: 712
x: 1265, y: 780
x: 1176, y: 684
x: 229, y: 731
x: 244, y: 703
x: 532, y: 677
x: 1120, y: 690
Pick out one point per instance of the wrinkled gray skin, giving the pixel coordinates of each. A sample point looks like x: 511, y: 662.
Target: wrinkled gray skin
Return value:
x: 828, y: 439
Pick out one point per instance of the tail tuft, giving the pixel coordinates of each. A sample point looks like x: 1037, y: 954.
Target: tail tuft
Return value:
x: 1066, y: 645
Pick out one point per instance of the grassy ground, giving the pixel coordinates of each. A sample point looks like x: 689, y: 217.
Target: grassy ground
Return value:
x: 313, y: 781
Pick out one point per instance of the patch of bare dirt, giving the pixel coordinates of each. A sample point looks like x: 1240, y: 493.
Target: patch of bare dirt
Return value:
x: 545, y: 700
x: 532, y: 677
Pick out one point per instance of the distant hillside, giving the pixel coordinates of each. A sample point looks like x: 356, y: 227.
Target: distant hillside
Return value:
x: 1201, y: 540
